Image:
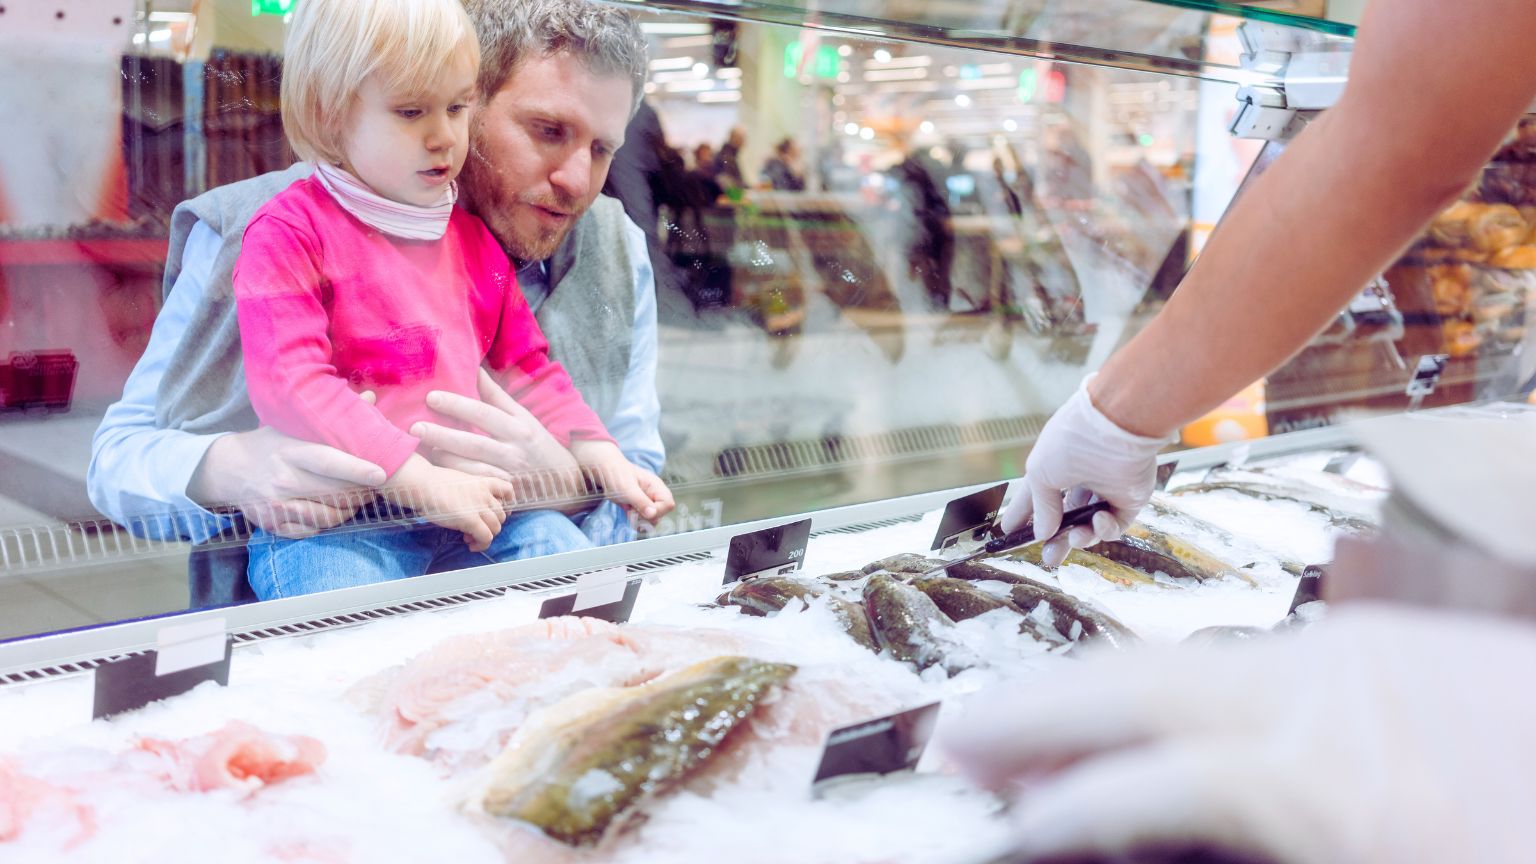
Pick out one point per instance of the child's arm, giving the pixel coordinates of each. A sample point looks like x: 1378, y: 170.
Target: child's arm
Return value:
x: 621, y: 481
x: 289, y: 371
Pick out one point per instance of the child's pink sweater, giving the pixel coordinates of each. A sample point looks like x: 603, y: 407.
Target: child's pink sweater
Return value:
x: 329, y: 307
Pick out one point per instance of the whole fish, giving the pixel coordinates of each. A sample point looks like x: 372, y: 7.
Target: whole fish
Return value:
x: 960, y: 600
x: 1151, y: 550
x: 975, y: 571
x: 767, y: 595
x: 844, y: 576
x: 1351, y: 522
x: 584, y: 765
x: 906, y: 562
x: 1114, y: 571
x: 1224, y: 634
x: 1196, y: 525
x: 910, y: 626
x: 770, y: 594
x: 1067, y: 611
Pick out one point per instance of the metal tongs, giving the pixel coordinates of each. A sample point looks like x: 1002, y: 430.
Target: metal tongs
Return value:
x: 1025, y: 536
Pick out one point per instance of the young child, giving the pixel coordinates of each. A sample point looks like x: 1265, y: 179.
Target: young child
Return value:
x: 366, y: 277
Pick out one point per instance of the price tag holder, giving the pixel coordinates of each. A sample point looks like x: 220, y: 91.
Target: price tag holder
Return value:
x: 1341, y: 463
x: 875, y: 748
x: 1165, y: 473
x: 185, y: 656
x: 769, y: 552
x: 604, y: 594
x: 1309, y: 587
x: 1425, y: 378
x: 969, y: 517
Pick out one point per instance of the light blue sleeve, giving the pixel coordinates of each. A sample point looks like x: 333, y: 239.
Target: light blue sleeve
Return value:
x: 636, y: 421
x: 139, y: 473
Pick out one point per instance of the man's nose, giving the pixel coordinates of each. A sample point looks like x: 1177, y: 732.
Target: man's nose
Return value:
x: 572, y: 177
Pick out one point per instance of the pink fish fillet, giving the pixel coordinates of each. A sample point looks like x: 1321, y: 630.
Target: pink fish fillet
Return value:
x: 238, y: 756
x: 530, y: 662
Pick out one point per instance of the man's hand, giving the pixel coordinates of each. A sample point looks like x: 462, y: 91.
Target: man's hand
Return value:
x: 289, y: 487
x: 1081, y: 453
x: 1381, y: 733
x: 624, y: 483
x: 476, y: 506
x: 514, y: 443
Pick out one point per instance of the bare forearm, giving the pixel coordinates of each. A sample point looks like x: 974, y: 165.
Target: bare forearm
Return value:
x: 1331, y: 213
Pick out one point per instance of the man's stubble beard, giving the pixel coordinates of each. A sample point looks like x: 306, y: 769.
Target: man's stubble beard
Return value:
x: 482, y: 193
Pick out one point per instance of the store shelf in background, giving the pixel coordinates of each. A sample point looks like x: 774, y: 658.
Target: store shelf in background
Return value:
x: 148, y: 252
x: 95, y: 296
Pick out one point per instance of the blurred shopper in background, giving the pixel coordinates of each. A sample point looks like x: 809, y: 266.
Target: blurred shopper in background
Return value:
x: 923, y: 209
x: 728, y: 160
x: 784, y: 170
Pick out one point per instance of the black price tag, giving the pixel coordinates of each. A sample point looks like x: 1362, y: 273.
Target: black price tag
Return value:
x: 877, y: 747
x: 1341, y: 463
x: 769, y: 552
x: 1309, y: 587
x: 604, y: 594
x: 1165, y: 473
x: 969, y: 517
x: 187, y: 655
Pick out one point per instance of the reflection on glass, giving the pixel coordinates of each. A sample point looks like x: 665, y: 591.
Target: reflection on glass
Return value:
x: 881, y: 259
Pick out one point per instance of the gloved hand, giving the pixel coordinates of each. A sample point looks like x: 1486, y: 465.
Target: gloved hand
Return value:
x: 1381, y: 733
x: 1081, y: 453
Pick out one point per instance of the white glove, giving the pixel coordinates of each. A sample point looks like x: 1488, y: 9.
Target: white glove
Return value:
x: 1379, y: 734
x: 1081, y: 453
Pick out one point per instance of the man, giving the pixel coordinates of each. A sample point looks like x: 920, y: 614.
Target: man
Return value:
x: 728, y: 161
x: 783, y: 170
x: 558, y: 83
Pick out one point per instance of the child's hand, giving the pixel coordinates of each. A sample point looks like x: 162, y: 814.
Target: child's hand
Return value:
x: 631, y: 487
x: 476, y: 506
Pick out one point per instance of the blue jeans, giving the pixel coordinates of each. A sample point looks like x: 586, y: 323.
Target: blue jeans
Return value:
x: 349, y: 555
x: 605, y: 524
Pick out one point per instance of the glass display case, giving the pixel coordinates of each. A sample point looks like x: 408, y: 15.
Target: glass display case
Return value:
x: 956, y: 209
x: 874, y: 246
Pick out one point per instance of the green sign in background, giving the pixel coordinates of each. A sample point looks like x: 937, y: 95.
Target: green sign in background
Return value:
x: 272, y: 7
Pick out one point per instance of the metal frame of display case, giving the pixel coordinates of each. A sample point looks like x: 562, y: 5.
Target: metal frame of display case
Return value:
x: 77, y: 652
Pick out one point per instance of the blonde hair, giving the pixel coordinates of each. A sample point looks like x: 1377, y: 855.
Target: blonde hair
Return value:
x: 332, y: 46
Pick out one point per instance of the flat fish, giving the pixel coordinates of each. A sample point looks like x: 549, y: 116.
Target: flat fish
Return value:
x: 1113, y: 571
x: 906, y: 562
x: 910, y: 626
x: 770, y: 594
x: 584, y: 766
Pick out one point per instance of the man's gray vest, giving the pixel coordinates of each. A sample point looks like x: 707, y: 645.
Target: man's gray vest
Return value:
x: 588, y: 317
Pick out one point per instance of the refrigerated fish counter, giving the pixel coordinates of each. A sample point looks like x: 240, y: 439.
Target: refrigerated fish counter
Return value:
x: 443, y: 719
